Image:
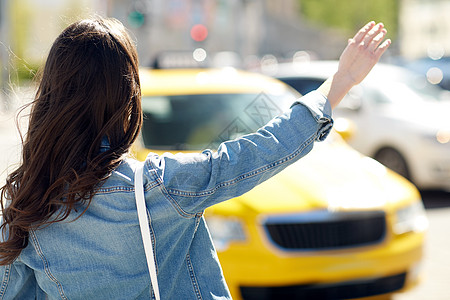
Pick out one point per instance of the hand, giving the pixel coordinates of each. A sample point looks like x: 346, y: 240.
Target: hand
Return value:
x: 362, y: 52
x: 358, y: 58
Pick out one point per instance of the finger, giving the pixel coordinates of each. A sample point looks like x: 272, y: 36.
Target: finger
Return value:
x: 359, y: 36
x: 377, y: 40
x: 383, y: 47
x: 373, y: 33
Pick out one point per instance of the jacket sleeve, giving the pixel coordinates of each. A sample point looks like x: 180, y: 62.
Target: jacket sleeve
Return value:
x: 19, y: 282
x: 197, y: 181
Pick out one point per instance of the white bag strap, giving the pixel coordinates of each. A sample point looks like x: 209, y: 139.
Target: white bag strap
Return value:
x: 145, y: 227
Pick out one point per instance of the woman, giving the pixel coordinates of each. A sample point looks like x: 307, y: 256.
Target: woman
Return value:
x: 70, y: 228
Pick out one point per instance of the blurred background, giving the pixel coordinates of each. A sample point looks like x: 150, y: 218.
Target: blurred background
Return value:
x: 247, y: 30
x: 243, y: 34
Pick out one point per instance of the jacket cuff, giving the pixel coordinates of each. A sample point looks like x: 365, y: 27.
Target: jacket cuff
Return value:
x: 321, y: 110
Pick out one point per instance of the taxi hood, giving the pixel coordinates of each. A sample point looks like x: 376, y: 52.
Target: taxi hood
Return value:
x: 332, y: 176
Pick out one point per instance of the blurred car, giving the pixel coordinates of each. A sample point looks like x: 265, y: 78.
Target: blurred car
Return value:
x: 396, y: 116
x: 436, y: 71
x: 334, y: 225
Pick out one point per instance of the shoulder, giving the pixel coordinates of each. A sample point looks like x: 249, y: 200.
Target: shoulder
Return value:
x: 160, y: 162
x: 122, y: 178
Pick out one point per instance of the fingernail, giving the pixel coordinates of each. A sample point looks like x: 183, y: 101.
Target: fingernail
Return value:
x: 370, y: 24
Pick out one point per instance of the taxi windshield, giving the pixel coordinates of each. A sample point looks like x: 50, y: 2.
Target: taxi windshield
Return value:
x: 203, y: 121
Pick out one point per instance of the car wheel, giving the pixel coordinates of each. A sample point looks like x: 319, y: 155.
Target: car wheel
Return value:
x: 392, y: 159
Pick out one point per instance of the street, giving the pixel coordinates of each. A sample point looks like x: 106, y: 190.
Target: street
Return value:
x: 436, y: 265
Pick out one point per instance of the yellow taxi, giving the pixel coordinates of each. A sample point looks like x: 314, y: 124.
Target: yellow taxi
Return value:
x: 335, y: 225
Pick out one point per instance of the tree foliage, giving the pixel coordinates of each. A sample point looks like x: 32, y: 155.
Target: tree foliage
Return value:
x: 350, y: 15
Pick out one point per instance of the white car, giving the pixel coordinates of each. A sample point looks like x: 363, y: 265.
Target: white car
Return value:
x: 398, y: 118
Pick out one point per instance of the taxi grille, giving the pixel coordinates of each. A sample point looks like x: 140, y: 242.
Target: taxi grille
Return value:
x: 325, y: 230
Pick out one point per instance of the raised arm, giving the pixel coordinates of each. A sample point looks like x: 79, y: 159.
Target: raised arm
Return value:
x: 358, y: 58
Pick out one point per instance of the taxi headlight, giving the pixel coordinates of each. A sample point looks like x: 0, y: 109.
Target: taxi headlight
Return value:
x: 411, y: 218
x: 224, y: 231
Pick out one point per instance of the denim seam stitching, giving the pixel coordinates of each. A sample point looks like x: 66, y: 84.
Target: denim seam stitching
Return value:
x: 5, y: 282
x: 193, y: 278
x: 122, y: 189
x: 246, y: 175
x: 114, y: 189
x: 46, y: 264
x: 198, y: 217
x: 166, y: 194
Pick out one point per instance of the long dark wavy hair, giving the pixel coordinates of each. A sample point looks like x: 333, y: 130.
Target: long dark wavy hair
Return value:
x: 89, y: 91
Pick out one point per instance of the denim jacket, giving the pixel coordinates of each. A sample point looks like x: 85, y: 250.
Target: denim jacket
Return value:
x: 101, y: 254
